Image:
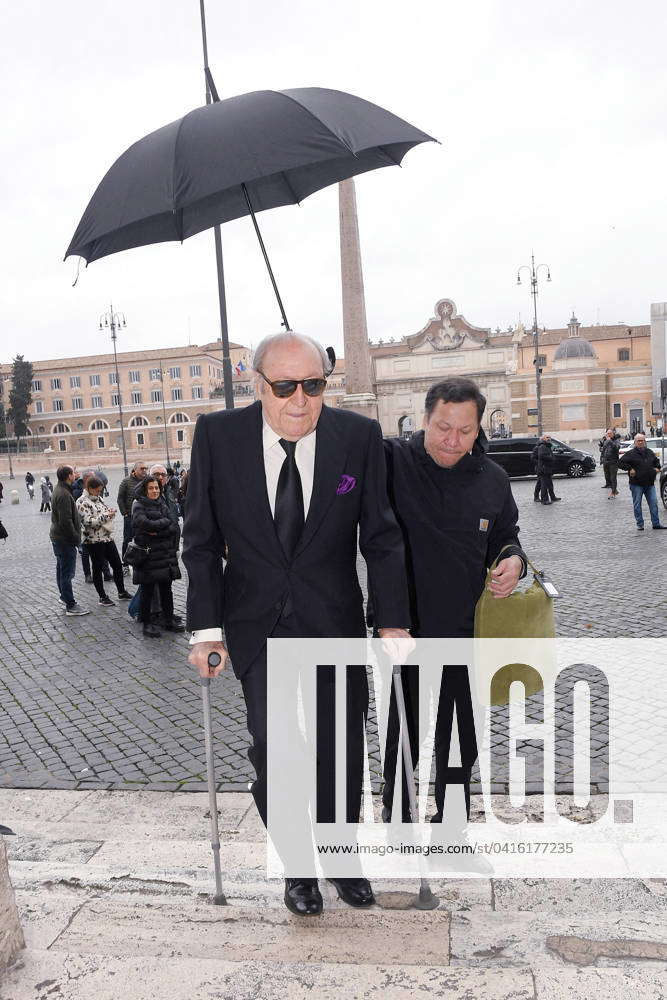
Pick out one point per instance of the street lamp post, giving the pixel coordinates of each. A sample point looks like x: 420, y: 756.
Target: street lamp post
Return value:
x: 112, y: 320
x: 533, y: 271
x: 164, y: 417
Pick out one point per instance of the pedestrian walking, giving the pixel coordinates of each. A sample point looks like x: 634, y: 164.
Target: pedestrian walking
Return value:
x: 609, y: 456
x: 78, y: 489
x: 642, y: 466
x: 46, y: 496
x: 65, y: 535
x: 545, y: 468
x: 30, y: 484
x: 97, y: 528
x: 183, y: 492
x: 1, y: 491
x: 49, y: 483
x: 153, y: 529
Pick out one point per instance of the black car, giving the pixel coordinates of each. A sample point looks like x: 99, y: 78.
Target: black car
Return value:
x: 663, y: 484
x: 514, y: 455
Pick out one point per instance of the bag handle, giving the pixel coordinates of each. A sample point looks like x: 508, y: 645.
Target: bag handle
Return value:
x: 495, y: 562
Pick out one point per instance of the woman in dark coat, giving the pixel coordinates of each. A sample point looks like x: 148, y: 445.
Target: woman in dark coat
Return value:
x: 153, y: 528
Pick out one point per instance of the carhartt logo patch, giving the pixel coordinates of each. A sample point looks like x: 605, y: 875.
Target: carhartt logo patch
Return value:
x: 483, y: 524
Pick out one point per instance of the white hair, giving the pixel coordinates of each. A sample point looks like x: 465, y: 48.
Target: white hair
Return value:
x: 287, y: 337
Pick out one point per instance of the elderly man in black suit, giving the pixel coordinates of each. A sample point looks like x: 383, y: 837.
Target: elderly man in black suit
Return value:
x: 282, y: 488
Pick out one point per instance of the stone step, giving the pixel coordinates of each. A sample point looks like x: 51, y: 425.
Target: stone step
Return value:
x: 70, y: 976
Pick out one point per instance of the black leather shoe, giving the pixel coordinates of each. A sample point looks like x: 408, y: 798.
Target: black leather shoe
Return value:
x: 658, y: 527
x: 354, y: 891
x: 175, y: 627
x: 151, y: 632
x: 303, y: 896
x: 556, y: 499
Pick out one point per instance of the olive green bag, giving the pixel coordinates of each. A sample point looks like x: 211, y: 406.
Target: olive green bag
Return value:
x: 527, y: 614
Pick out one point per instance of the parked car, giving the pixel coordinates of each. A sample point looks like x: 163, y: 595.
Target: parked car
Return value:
x: 663, y: 485
x: 655, y: 444
x: 514, y: 455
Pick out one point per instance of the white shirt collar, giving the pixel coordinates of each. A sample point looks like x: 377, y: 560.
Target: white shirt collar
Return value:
x: 270, y: 438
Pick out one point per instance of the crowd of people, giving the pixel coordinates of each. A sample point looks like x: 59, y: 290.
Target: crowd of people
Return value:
x: 151, y: 501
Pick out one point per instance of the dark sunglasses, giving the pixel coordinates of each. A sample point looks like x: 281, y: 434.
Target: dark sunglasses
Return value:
x: 284, y: 387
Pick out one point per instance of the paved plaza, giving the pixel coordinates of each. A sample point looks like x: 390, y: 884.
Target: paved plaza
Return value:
x: 88, y: 703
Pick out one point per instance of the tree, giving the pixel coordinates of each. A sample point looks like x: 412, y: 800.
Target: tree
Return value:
x: 20, y: 395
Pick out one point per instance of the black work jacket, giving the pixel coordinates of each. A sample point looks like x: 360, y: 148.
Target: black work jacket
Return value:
x: 645, y: 463
x: 454, y: 523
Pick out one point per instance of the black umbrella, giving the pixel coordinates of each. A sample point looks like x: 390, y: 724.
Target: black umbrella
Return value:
x: 233, y: 158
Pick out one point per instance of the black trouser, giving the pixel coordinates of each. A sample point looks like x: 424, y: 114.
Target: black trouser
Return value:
x: 454, y: 684
x: 611, y: 475
x: 104, y: 555
x: 45, y: 505
x: 546, y: 487
x: 166, y: 599
x: 253, y: 682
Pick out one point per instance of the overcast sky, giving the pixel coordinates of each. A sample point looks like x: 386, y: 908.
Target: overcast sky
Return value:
x: 552, y: 124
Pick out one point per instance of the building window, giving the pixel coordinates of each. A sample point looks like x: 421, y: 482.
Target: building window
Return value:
x: 82, y: 444
x: 616, y: 410
x: 75, y: 381
x: 112, y: 378
x: 156, y: 395
x: 135, y: 376
x: 79, y: 427
x: 160, y: 436
x: 574, y: 411
x: 96, y: 402
x: 140, y: 438
x: 39, y: 406
x: 136, y: 398
x: 61, y: 429
x: 100, y: 441
x: 77, y: 402
x: 99, y: 425
x: 55, y: 383
x: 37, y: 385
x: 542, y: 360
x: 94, y: 380
x: 196, y: 392
x: 58, y: 406
x: 175, y: 372
x: 115, y: 398
x: 176, y: 394
x: 623, y: 354
x: 62, y: 445
x: 218, y: 372
x: 138, y: 422
x: 195, y: 371
x: 180, y: 435
x: 154, y: 374
x: 179, y: 418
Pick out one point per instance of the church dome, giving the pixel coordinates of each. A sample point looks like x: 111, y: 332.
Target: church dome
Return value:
x: 574, y: 347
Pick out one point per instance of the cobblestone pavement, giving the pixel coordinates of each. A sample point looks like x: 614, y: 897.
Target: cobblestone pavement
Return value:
x: 88, y: 703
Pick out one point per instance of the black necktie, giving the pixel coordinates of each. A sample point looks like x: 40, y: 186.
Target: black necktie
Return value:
x: 288, y: 517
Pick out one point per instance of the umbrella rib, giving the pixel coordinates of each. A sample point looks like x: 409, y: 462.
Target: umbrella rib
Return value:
x: 289, y: 187
x: 318, y: 120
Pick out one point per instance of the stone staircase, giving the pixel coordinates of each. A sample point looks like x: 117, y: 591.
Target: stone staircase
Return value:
x: 114, y: 890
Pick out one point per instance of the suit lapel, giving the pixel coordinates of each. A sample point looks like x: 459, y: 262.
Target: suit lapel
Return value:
x: 252, y: 478
x: 330, y: 456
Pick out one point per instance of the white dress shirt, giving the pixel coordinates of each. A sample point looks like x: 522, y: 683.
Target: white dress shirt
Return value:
x: 274, y: 456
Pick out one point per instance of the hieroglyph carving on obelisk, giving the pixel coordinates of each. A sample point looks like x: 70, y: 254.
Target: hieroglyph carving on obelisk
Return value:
x: 359, y: 393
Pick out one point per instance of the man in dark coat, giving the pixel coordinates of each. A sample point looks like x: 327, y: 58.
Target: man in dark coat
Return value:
x: 125, y: 498
x: 545, y: 468
x: 457, y: 514
x: 65, y: 535
x: 609, y: 457
x: 284, y: 486
x: 642, y: 465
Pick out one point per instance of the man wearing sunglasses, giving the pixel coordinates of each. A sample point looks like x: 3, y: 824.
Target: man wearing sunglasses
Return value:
x: 284, y: 487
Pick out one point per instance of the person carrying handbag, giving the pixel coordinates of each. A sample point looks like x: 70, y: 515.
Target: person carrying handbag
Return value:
x: 97, y: 526
x: 153, y: 530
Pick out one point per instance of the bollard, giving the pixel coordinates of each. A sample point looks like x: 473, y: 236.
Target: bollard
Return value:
x: 14, y: 494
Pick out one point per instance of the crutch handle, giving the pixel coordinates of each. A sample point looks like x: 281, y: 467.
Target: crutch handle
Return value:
x: 214, y: 659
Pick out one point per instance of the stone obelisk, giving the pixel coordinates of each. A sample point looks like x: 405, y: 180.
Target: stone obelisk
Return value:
x: 359, y: 395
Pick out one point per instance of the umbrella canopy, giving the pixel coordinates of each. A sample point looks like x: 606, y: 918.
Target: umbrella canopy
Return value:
x: 278, y: 146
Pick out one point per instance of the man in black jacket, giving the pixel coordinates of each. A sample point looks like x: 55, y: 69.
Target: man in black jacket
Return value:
x: 281, y: 488
x: 125, y: 498
x: 545, y: 468
x: 457, y: 513
x: 65, y: 535
x: 609, y: 458
x: 642, y: 466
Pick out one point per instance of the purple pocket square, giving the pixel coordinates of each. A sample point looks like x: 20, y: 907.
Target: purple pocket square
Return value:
x: 346, y: 485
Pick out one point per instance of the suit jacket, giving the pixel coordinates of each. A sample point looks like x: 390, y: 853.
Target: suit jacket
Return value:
x: 228, y: 505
